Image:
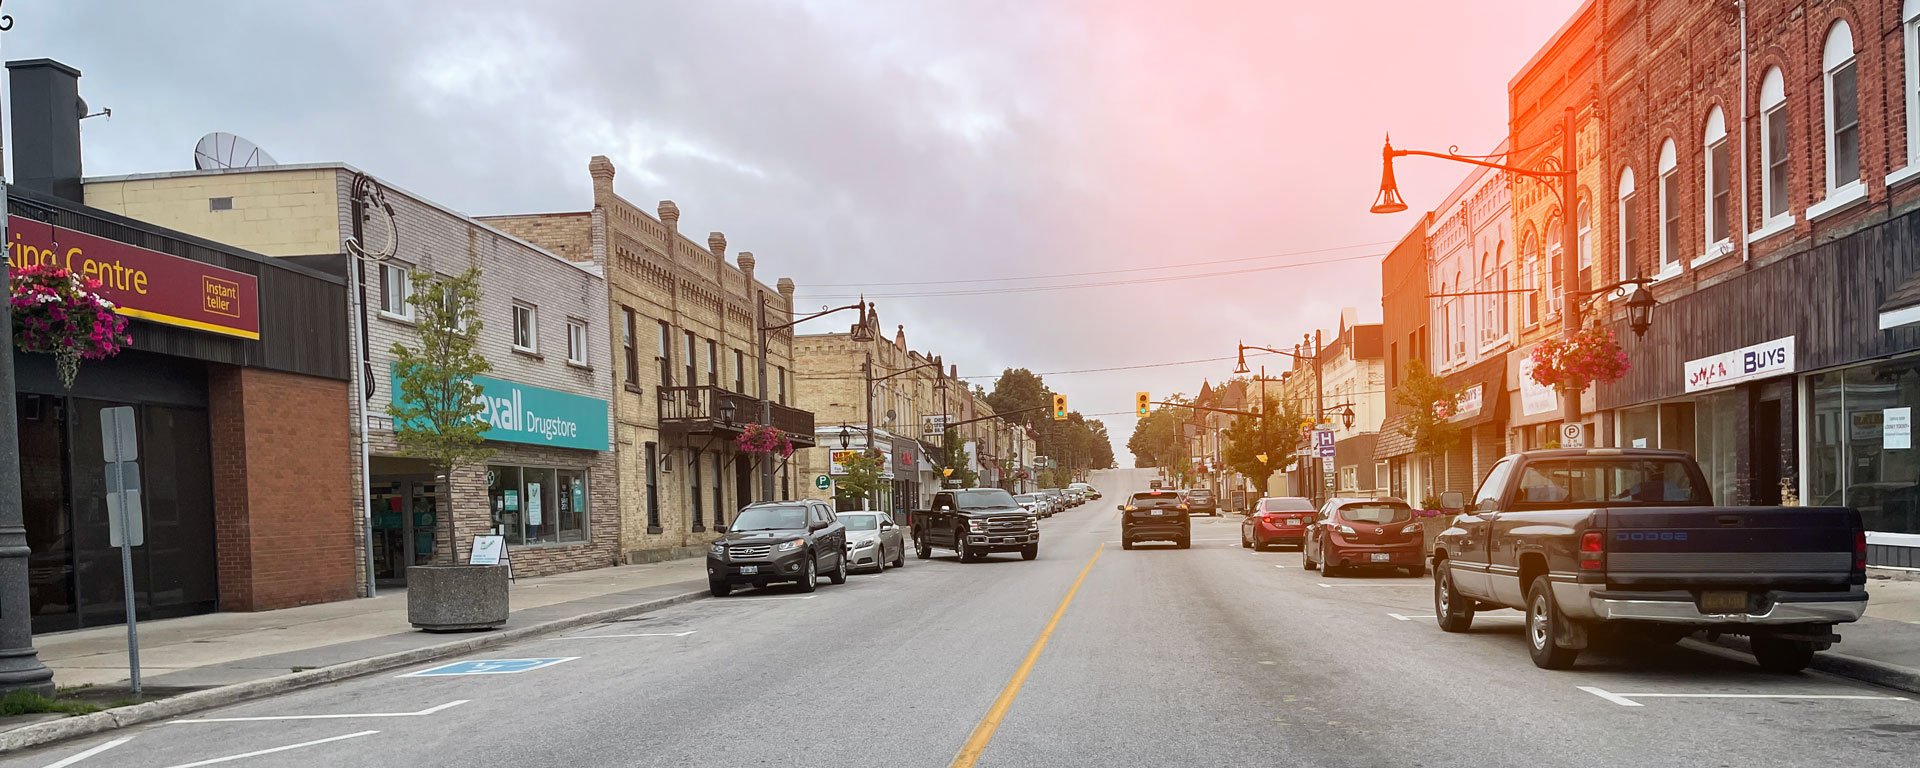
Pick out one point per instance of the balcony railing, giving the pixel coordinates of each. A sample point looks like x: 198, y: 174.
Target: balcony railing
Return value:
x: 703, y: 409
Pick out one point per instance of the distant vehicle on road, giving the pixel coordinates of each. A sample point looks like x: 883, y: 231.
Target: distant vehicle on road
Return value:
x: 873, y: 541
x: 1155, y: 516
x: 1035, y: 503
x: 1200, y: 501
x: 778, y: 541
x: 1088, y: 489
x: 1058, y: 497
x: 1373, y: 532
x: 1276, y: 520
x: 1627, y: 540
x: 976, y: 522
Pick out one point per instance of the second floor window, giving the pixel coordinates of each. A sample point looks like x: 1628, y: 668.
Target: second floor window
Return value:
x: 1629, y: 226
x: 739, y: 371
x: 396, y: 285
x: 577, y: 342
x: 1719, y: 189
x: 1669, y: 208
x: 713, y: 363
x: 1843, y: 108
x: 526, y: 331
x: 693, y: 362
x: 630, y: 346
x: 665, y: 359
x: 1773, y: 142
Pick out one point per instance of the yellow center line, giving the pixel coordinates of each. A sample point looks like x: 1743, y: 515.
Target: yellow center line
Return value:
x: 983, y: 733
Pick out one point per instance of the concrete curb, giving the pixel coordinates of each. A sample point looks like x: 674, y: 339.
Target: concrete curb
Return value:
x: 40, y: 734
x: 1884, y: 674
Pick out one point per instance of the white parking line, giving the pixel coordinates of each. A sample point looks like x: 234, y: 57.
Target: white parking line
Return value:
x: 421, y: 713
x: 1279, y: 566
x: 1331, y: 586
x: 1410, y: 617
x: 258, y: 753
x: 89, y: 753
x: 639, y: 634
x: 1627, y: 699
x: 794, y: 597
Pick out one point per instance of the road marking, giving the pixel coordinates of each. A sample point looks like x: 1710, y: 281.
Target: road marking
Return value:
x: 89, y: 753
x: 1627, y: 699
x: 1412, y: 616
x: 1325, y: 585
x: 421, y: 713
x: 794, y: 597
x: 489, y: 667
x: 983, y: 733
x: 639, y: 634
x: 1279, y: 566
x: 258, y: 753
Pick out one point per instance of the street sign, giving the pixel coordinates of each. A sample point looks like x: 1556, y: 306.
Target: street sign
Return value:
x: 1323, y: 443
x: 823, y: 482
x: 933, y: 426
x: 120, y: 447
x: 1573, y: 436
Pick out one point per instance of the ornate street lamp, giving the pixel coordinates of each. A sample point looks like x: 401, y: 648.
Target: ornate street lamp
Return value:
x: 726, y: 411
x: 1640, y: 305
x: 1389, y: 200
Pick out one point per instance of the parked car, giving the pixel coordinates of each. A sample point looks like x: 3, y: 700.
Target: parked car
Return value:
x: 1035, y: 503
x: 1374, y: 532
x: 1627, y: 540
x: 1276, y: 520
x: 874, y: 541
x: 1058, y: 498
x: 777, y: 541
x: 1155, y: 516
x: 1200, y: 501
x: 1088, y: 489
x: 976, y: 522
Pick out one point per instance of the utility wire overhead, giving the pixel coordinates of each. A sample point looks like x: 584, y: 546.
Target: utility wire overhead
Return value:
x: 1069, y: 286
x: 1105, y: 271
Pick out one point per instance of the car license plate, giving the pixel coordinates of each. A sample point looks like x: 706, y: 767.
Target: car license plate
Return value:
x: 749, y: 569
x: 1382, y: 557
x: 1723, y: 602
x: 1156, y: 511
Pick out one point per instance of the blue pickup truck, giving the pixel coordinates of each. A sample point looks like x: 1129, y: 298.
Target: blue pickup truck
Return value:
x: 1628, y: 541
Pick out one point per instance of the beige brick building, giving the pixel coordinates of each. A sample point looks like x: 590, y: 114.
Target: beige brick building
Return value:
x: 684, y: 381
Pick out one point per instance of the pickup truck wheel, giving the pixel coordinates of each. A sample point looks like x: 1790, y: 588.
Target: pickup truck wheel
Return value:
x: 809, y: 581
x: 839, y: 575
x: 922, y: 548
x: 1543, y: 622
x: 1029, y: 551
x: 960, y: 547
x: 1453, y: 612
x: 1777, y: 655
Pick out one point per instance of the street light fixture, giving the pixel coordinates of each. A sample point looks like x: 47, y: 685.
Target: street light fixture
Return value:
x: 727, y: 409
x: 864, y: 330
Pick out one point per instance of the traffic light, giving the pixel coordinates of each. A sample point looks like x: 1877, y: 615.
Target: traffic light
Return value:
x: 1142, y: 403
x: 1059, y: 407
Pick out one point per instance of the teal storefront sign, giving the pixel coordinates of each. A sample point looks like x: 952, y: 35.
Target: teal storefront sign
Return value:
x: 523, y: 413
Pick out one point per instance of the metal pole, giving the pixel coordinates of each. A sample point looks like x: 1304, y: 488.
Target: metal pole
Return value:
x: 866, y: 370
x: 20, y: 666
x: 1570, y: 258
x: 357, y: 298
x: 127, y: 511
x: 1319, y: 408
x: 766, y: 406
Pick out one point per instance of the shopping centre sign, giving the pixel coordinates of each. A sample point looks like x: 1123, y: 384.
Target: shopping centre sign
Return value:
x: 1773, y: 358
x: 143, y: 283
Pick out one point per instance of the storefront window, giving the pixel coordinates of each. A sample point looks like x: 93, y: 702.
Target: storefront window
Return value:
x: 1714, y: 441
x: 538, y: 505
x: 1855, y: 460
x: 1640, y: 427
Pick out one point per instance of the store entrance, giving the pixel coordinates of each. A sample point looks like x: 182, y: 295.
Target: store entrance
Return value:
x: 406, y: 502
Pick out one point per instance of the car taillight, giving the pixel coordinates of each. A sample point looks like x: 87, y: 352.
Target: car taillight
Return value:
x: 1860, y: 552
x: 1593, y: 555
x: 1183, y: 506
x: 1411, y: 528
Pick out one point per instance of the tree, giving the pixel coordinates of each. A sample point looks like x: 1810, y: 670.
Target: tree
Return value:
x: 1429, y: 403
x: 1276, y: 436
x: 1158, y: 440
x: 957, y: 460
x: 437, y: 411
x: 861, y: 479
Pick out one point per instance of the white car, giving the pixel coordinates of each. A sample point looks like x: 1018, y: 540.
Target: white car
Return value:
x: 874, y: 541
x: 1035, y: 503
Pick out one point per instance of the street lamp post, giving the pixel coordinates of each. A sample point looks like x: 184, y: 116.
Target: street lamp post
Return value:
x: 864, y: 330
x: 1319, y: 385
x: 866, y: 370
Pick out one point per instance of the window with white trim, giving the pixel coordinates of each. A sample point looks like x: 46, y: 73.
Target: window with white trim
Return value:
x: 1530, y: 279
x: 577, y: 341
x: 396, y: 286
x: 1629, y: 213
x: 1501, y: 319
x: 1773, y: 145
x: 1843, y: 107
x: 1460, y: 317
x: 1719, y: 188
x: 526, y: 328
x: 1669, y: 208
x: 1911, y: 14
x: 1583, y: 239
x: 1446, y: 325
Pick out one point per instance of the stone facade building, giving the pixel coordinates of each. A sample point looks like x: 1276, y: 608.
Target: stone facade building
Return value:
x: 684, y: 366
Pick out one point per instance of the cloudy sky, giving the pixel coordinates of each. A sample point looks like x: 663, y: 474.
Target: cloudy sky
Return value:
x: 896, y: 147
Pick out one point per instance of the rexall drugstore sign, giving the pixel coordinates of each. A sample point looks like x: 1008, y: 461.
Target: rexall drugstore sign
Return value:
x: 523, y: 413
x: 1773, y: 358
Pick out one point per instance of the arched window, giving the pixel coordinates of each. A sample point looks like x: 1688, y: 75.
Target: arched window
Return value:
x: 1460, y: 320
x: 1718, y: 192
x: 1488, y: 305
x: 1843, y: 108
x: 1530, y: 279
x: 1669, y: 209
x: 1446, y: 325
x: 1554, y: 242
x: 1629, y: 212
x: 1773, y: 145
x: 1501, y: 315
x: 1584, y: 234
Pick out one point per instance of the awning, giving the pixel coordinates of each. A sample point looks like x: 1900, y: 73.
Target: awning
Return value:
x: 1393, y: 443
x: 1483, y: 392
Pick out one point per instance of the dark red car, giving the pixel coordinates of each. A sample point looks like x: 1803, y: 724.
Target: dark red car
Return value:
x: 1276, y: 520
x: 1364, y: 533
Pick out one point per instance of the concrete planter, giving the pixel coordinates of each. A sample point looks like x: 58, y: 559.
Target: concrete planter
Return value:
x: 454, y: 598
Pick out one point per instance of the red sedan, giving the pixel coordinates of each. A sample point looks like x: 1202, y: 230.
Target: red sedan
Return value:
x: 1364, y: 533
x: 1276, y: 520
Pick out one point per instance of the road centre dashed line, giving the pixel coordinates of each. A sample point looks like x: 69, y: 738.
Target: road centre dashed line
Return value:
x: 1627, y: 699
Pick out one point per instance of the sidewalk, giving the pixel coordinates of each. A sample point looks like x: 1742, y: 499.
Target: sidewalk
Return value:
x: 207, y: 661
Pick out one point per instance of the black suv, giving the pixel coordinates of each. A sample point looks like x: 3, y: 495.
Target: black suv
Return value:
x: 1155, y: 516
x: 778, y: 541
x: 975, y: 522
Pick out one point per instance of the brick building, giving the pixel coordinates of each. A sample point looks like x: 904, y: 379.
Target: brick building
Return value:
x: 684, y: 328
x: 906, y: 411
x: 1404, y: 317
x: 550, y: 486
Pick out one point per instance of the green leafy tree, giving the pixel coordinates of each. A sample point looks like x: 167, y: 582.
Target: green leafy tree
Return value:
x: 1429, y: 403
x: 957, y: 459
x: 862, y: 478
x: 436, y: 407
x: 1158, y: 439
x: 1276, y: 436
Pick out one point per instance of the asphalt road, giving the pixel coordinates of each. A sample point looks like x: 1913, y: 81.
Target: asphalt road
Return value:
x: 1213, y: 656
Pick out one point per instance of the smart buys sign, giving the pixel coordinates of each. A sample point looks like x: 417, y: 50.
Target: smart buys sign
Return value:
x: 1773, y: 358
x: 522, y: 413
x: 143, y: 283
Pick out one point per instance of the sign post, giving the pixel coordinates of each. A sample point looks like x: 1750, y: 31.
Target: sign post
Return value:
x: 125, y: 527
x: 1573, y: 435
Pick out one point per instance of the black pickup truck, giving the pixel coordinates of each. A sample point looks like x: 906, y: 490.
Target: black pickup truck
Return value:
x: 1628, y: 542
x: 975, y: 522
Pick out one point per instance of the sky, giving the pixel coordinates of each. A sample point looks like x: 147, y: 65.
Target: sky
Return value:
x: 981, y: 149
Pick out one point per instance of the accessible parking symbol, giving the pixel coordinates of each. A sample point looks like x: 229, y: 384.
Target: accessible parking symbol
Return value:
x: 489, y: 667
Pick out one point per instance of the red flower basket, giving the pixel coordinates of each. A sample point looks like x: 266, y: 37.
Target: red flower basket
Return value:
x: 763, y: 439
x: 1573, y: 364
x: 62, y: 314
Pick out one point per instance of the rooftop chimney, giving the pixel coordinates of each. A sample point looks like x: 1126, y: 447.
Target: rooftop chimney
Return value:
x: 46, y: 127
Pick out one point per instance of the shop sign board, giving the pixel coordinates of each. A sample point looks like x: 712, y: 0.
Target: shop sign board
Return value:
x: 1535, y: 398
x: 934, y: 426
x: 523, y: 413
x: 141, y: 282
x: 486, y: 550
x: 841, y: 458
x: 1772, y: 358
x: 1472, y: 399
x: 1897, y: 426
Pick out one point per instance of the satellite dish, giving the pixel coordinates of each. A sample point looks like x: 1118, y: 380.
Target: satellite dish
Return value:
x: 219, y: 150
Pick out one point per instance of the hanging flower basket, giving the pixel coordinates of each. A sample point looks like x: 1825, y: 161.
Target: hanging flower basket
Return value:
x: 63, y: 314
x: 1573, y: 364
x: 763, y: 439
